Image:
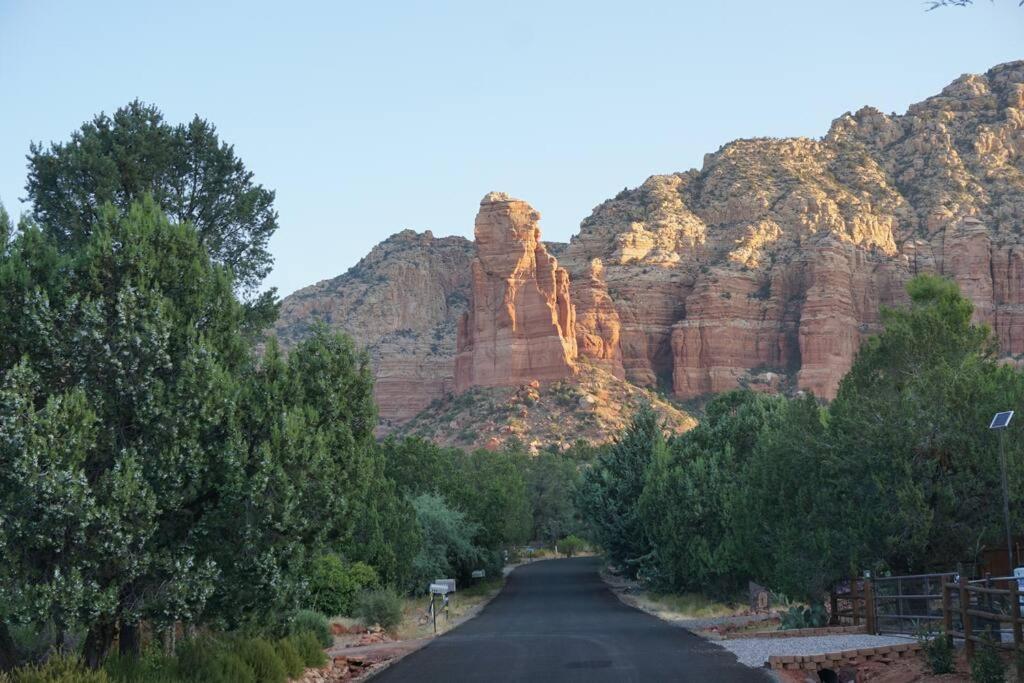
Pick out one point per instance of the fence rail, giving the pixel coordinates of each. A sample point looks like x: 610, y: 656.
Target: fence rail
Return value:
x: 983, y: 610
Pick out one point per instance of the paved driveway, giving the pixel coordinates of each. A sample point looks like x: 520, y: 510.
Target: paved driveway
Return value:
x: 557, y: 621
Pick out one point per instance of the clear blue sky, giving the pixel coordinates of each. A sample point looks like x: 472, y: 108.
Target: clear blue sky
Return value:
x: 371, y: 117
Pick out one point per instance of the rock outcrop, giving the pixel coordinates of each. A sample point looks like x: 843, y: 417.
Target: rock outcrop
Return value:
x: 766, y: 268
x: 402, y: 302
x: 521, y: 322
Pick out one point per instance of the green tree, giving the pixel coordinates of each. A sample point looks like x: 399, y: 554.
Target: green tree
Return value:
x: 609, y: 491
x: 909, y: 434
x: 551, y: 480
x: 144, y: 327
x: 192, y: 175
x: 692, y: 496
x: 448, y: 548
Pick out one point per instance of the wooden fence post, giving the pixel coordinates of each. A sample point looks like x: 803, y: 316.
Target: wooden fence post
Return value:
x: 833, y: 604
x: 947, y: 613
x: 1015, y: 614
x: 869, y: 607
x: 965, y: 618
x: 853, y: 601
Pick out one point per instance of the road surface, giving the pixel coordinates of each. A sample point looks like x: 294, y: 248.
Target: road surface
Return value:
x: 557, y: 621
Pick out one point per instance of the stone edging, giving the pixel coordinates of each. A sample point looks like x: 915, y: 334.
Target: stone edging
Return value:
x: 886, y: 654
x: 796, y: 633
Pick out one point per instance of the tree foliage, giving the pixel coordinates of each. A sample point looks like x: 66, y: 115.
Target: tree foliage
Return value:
x: 193, y: 177
x: 899, y: 473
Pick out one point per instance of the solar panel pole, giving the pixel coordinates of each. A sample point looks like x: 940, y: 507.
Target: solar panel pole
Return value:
x: 1001, y: 421
x: 1006, y: 497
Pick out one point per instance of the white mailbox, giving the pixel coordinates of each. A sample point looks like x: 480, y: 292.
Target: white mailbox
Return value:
x: 450, y: 583
x: 439, y: 589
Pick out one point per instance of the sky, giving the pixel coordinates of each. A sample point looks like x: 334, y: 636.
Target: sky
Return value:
x: 371, y: 117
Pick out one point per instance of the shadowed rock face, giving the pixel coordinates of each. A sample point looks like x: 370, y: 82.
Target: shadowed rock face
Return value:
x: 521, y: 322
x: 765, y: 268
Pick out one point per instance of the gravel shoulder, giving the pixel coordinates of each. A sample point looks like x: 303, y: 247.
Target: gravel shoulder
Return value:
x: 755, y: 651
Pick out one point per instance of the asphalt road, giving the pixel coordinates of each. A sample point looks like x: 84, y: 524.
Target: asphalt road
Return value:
x: 557, y: 621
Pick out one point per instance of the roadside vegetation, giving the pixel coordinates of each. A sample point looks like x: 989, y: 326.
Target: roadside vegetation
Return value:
x: 174, y: 487
x: 899, y: 473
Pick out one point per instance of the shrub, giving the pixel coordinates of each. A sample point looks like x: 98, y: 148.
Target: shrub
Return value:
x: 263, y: 659
x: 804, y: 617
x: 207, y: 661
x: 333, y: 584
x: 937, y: 652
x: 382, y: 606
x: 312, y: 622
x: 308, y: 647
x: 570, y: 545
x: 151, y: 667
x: 986, y: 665
x: 289, y: 654
x: 59, y: 670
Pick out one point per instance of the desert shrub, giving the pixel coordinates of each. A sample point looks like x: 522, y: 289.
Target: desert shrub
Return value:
x: 333, y: 584
x: 804, y: 617
x: 938, y: 652
x: 570, y: 545
x: 289, y: 654
x: 59, y: 670
x: 312, y: 622
x: 151, y: 667
x: 986, y: 665
x: 207, y: 661
x: 382, y: 606
x: 308, y: 647
x: 263, y: 659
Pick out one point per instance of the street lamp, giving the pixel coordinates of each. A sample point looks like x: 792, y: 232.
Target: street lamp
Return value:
x: 1001, y: 421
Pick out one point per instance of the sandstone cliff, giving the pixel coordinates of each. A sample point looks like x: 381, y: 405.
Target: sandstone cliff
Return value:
x: 521, y: 322
x: 765, y: 268
x: 401, y: 302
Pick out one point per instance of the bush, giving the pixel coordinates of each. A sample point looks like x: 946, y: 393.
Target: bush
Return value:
x: 308, y: 647
x: 289, y: 654
x: 308, y: 621
x: 263, y: 659
x: 152, y: 667
x: 333, y: 584
x: 986, y: 665
x: 207, y: 661
x: 937, y: 652
x: 59, y: 670
x: 382, y: 607
x: 804, y: 617
x: 570, y: 545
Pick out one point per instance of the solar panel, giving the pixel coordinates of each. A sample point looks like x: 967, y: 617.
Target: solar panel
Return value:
x: 1001, y: 420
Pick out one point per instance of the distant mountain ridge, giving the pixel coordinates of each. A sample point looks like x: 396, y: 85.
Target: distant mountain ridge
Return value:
x: 766, y: 268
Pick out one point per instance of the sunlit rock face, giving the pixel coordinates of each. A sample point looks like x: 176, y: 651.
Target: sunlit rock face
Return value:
x: 773, y: 259
x: 766, y: 268
x: 521, y: 322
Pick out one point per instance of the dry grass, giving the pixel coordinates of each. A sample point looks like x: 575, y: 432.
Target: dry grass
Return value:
x: 416, y: 624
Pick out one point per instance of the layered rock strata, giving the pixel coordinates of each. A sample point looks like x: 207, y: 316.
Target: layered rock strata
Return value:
x: 521, y: 323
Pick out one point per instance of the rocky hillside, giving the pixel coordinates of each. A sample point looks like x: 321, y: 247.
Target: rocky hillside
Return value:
x: 765, y: 268
x: 402, y: 302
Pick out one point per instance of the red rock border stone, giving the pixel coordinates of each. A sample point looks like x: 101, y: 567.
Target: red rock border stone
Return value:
x: 834, y: 660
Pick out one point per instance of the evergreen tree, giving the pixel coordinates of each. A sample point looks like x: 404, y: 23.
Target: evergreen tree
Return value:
x: 610, y: 489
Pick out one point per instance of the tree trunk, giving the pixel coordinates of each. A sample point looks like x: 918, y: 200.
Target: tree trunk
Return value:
x: 8, y: 652
x: 128, y: 639
x: 97, y: 643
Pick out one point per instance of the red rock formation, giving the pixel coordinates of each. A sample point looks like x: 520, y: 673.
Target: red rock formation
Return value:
x: 597, y: 321
x: 521, y: 323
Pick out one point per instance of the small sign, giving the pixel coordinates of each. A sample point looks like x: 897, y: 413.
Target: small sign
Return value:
x: 479, y: 573
x: 760, y: 599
